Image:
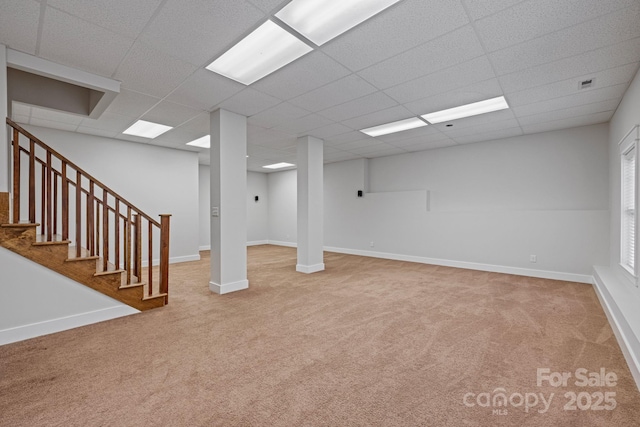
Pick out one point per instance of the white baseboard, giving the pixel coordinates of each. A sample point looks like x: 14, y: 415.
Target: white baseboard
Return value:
x: 555, y: 275
x: 606, y: 285
x: 253, y: 243
x: 278, y: 243
x: 228, y: 287
x: 529, y: 272
x: 174, y: 260
x: 308, y: 269
x: 62, y: 324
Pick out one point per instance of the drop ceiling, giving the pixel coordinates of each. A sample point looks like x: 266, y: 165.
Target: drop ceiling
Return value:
x: 416, y: 57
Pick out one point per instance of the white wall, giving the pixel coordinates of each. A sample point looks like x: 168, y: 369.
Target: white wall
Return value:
x: 619, y: 296
x: 283, y: 219
x: 157, y: 180
x: 204, y: 201
x: 627, y: 115
x: 491, y: 204
x: 257, y: 213
x: 37, y: 301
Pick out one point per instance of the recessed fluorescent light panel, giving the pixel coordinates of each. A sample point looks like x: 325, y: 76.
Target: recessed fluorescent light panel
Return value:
x: 262, y: 52
x: 322, y: 20
x: 278, y: 166
x: 204, y: 142
x: 146, y: 129
x: 486, y: 106
x: 398, y: 126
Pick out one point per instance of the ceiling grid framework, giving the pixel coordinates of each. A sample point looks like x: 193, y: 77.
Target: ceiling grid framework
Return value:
x: 416, y: 57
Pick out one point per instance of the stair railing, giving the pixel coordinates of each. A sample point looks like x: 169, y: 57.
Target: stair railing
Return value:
x: 74, y: 206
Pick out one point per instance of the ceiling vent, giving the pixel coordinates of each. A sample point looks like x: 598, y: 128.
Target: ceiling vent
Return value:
x: 585, y: 84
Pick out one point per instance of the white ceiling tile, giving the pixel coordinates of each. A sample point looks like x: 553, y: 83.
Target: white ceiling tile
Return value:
x: 199, y: 125
x: 52, y: 124
x: 401, y: 27
x: 19, y: 24
x: 568, y: 122
x: 475, y: 122
x: 423, y: 132
x: 593, y: 61
x: 249, y: 102
x: 489, y: 136
x: 270, y: 138
x: 480, y: 8
x: 71, y: 41
x: 585, y: 96
x: 389, y: 150
x: 602, y: 79
x: 453, y: 48
x: 531, y: 19
x: 149, y: 71
x: 130, y: 103
x: 580, y: 110
x: 304, y: 124
x: 371, y: 103
x: 177, y: 137
x: 109, y: 121
x: 335, y: 93
x: 277, y: 115
x: 365, y: 143
x: 97, y: 132
x: 466, y: 95
x: 336, y: 141
x: 170, y: 114
x: 301, y: 76
x: 260, y: 152
x: 204, y: 89
x: 429, y: 145
x: 431, y: 138
x: 615, y: 27
x: 460, y: 75
x: 197, y: 31
x: 58, y: 116
x: 133, y: 138
x: 380, y: 117
x: 342, y: 157
x: 269, y: 5
x: 491, y: 126
x: 124, y: 17
x: 329, y: 131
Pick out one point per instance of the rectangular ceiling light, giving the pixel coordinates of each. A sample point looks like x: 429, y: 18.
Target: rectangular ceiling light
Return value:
x: 486, y: 106
x: 398, y: 126
x: 278, y: 166
x: 322, y: 20
x: 204, y: 142
x: 262, y: 52
x: 146, y: 129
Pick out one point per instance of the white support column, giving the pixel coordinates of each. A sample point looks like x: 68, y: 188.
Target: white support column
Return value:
x: 5, y: 145
x: 310, y: 205
x: 228, y: 202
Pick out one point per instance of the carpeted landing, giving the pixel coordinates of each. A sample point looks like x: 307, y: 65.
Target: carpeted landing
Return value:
x: 368, y: 342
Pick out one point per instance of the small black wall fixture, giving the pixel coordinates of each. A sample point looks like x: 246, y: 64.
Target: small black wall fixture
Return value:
x: 256, y: 198
x: 359, y: 193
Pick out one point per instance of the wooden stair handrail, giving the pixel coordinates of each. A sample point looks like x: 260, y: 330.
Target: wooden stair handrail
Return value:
x: 93, y: 209
x: 78, y: 169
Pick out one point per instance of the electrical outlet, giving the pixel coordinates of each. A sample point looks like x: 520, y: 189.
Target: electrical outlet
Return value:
x: 371, y: 244
x: 533, y: 258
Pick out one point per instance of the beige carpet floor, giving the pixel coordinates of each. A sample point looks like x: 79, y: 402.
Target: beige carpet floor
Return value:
x: 368, y: 342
